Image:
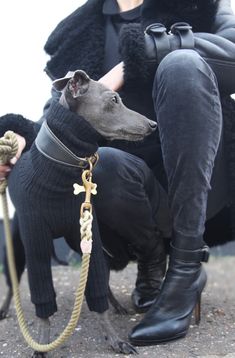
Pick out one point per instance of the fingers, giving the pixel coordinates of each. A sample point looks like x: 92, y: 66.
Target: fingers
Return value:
x: 14, y: 160
x: 21, y: 146
x: 4, y: 171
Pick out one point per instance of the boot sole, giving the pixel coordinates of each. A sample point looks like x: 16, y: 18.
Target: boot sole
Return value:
x: 158, y: 341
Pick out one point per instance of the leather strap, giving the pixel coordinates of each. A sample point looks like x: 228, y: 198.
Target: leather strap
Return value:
x: 158, y: 33
x: 200, y: 255
x: 184, y: 31
x: 51, y: 147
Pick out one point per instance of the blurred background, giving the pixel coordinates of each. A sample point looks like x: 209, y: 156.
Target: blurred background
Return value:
x: 24, y: 28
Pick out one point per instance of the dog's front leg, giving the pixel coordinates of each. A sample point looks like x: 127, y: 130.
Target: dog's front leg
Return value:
x: 116, y: 343
x: 119, y: 309
x: 6, y: 304
x: 43, y: 329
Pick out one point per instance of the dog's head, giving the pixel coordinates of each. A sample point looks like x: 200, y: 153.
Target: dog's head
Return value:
x: 102, y: 108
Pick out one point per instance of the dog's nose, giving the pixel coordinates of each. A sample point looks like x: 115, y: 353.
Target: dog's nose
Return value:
x: 153, y: 125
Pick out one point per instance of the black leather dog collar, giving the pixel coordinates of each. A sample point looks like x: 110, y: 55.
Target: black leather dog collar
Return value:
x: 52, y: 148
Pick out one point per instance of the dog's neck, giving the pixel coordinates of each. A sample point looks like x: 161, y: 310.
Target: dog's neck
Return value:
x: 73, y: 130
x: 51, y: 147
x: 53, y: 180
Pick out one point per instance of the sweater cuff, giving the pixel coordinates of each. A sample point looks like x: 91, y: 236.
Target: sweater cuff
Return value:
x: 98, y: 304
x: 46, y: 310
x: 20, y: 125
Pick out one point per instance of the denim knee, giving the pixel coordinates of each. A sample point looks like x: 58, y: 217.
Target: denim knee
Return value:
x: 183, y: 61
x: 111, y: 163
x: 183, y: 70
x: 122, y: 177
x: 116, y: 166
x: 129, y: 193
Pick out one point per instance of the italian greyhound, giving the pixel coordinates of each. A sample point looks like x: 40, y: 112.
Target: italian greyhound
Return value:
x: 106, y: 114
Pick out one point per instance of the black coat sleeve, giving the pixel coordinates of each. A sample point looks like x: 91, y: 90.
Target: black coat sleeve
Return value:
x: 20, y: 125
x: 23, y: 126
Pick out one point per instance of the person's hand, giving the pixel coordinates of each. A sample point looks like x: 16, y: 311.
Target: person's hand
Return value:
x: 5, y: 169
x: 114, y: 79
x: 21, y: 145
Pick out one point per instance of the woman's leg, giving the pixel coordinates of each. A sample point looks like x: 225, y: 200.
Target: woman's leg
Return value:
x: 133, y: 204
x: 188, y: 110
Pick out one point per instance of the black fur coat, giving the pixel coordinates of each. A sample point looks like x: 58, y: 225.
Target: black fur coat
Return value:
x: 79, y: 38
x: 198, y: 13
x: 78, y: 42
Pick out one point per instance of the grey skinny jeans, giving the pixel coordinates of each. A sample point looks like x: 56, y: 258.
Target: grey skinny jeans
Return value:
x: 188, y: 111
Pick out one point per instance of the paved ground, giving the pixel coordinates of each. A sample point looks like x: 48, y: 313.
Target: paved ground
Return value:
x: 214, y: 338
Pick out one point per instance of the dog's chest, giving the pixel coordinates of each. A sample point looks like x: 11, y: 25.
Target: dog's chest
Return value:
x: 47, y: 189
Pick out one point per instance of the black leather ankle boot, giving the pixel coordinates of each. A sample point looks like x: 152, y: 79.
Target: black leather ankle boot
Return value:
x: 151, y: 271
x: 169, y: 317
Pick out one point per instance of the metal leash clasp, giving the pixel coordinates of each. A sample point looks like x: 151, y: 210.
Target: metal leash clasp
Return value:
x: 88, y: 187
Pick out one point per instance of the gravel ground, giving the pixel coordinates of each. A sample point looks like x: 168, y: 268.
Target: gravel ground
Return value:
x: 214, y: 338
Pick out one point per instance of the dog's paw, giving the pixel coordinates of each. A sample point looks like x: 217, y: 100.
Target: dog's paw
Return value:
x: 3, y: 314
x: 120, y: 310
x: 123, y: 347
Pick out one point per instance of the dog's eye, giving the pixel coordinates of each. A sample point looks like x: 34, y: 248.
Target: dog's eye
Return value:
x: 114, y: 99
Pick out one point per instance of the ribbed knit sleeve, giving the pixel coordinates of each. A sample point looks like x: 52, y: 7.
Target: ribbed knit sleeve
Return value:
x: 20, y: 125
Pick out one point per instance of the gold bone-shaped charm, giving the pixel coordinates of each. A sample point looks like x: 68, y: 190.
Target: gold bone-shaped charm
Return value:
x: 80, y: 188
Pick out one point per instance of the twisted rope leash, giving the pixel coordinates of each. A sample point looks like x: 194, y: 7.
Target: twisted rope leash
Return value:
x: 8, y: 149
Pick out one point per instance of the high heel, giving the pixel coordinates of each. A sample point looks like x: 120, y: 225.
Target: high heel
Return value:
x: 197, y: 311
x: 169, y: 317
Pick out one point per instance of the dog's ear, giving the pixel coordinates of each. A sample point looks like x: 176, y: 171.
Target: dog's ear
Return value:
x: 61, y: 83
x: 78, y: 84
